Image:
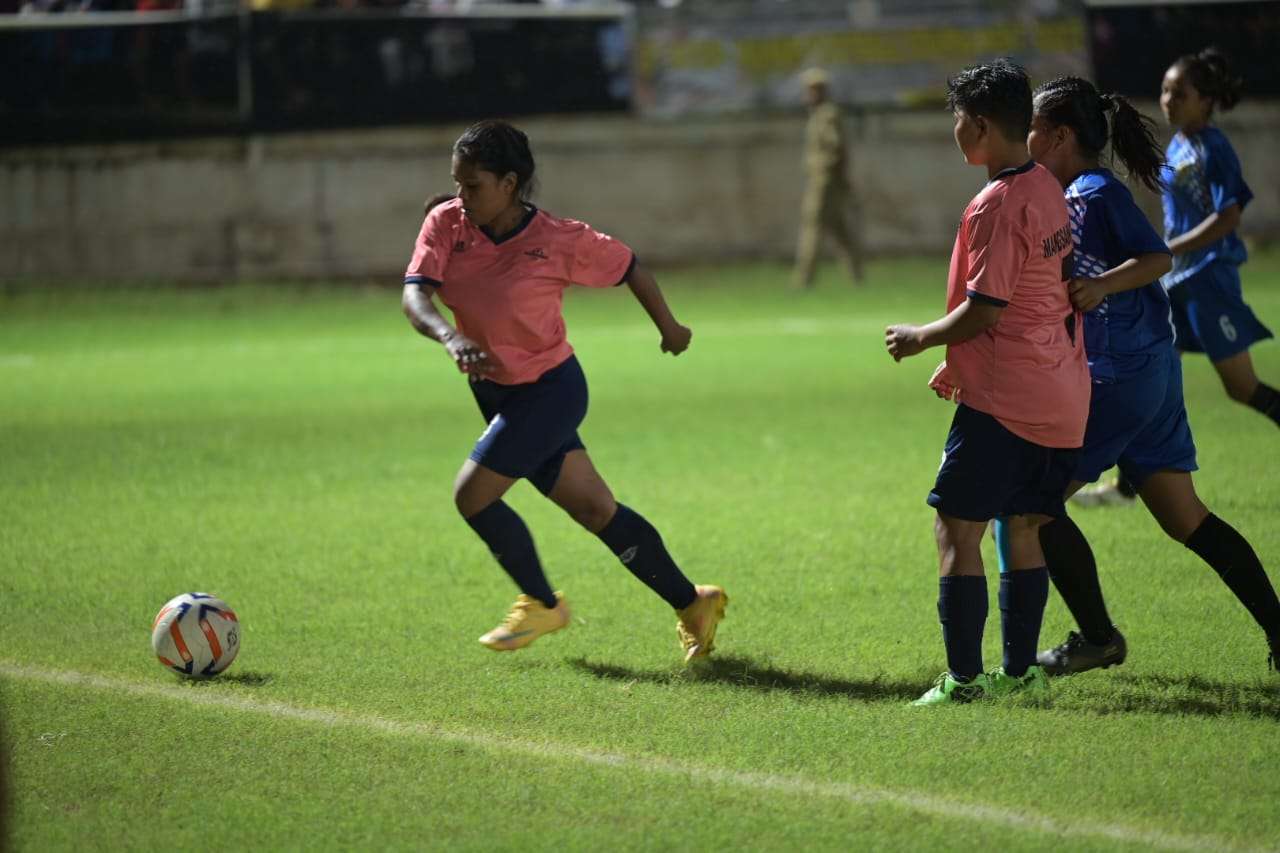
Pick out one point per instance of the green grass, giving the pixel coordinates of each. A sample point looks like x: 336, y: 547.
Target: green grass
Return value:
x: 293, y: 450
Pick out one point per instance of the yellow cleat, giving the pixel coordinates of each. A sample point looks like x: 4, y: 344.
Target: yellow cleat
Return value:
x: 528, y: 620
x: 698, y: 621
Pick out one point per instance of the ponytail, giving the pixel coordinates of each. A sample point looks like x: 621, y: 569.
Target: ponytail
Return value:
x: 1075, y: 103
x: 1211, y: 74
x: 1133, y: 141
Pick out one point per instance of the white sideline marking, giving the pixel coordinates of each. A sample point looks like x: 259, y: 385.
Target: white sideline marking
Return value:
x: 785, y: 784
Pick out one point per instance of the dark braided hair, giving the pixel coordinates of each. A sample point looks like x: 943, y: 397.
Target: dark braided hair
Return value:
x: 498, y: 147
x: 1075, y: 103
x: 1209, y: 72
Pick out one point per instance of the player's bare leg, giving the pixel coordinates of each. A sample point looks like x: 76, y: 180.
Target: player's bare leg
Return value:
x: 1243, y: 386
x: 1238, y: 376
x: 582, y: 492
x: 1171, y: 498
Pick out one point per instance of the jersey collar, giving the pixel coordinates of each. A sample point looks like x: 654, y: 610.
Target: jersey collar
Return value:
x: 530, y: 212
x: 1020, y: 170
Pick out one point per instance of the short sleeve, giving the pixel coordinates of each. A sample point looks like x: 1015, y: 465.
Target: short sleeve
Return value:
x: 997, y: 253
x: 599, y: 260
x: 1225, y: 178
x: 1129, y: 230
x: 432, y: 249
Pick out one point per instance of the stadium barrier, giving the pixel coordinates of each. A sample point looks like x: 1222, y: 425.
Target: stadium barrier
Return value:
x: 348, y: 204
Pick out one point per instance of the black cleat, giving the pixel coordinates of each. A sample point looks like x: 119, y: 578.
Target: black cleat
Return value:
x: 1273, y: 659
x: 1079, y: 655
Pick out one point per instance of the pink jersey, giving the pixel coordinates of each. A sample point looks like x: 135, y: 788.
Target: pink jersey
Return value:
x: 1029, y: 370
x: 506, y: 295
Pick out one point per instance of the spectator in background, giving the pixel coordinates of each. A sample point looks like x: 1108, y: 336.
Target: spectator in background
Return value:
x: 828, y: 195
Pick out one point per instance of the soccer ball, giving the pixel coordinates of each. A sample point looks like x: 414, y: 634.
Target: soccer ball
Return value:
x: 196, y: 635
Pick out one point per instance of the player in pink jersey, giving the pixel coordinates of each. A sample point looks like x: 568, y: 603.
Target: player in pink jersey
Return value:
x: 1016, y: 367
x: 501, y: 266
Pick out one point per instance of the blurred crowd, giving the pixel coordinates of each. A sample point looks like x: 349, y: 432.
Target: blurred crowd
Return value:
x: 200, y: 6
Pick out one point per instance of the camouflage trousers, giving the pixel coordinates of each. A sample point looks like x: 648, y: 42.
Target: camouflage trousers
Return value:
x: 829, y: 208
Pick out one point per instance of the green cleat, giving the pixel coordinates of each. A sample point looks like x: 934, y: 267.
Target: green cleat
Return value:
x: 1035, y: 683
x: 947, y: 689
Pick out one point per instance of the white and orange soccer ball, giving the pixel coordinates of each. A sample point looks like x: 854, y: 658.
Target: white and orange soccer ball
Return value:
x: 196, y: 634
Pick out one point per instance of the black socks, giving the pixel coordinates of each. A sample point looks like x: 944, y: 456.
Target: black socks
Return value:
x: 1266, y: 400
x: 511, y: 545
x: 638, y: 545
x: 1075, y: 575
x: 1233, y: 558
x: 627, y: 534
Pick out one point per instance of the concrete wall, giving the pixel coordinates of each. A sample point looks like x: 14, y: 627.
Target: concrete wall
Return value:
x: 349, y: 204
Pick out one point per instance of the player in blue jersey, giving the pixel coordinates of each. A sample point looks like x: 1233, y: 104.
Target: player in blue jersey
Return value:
x: 1137, y: 419
x: 1204, y: 197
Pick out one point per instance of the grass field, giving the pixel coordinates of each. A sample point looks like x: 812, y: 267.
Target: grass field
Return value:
x: 293, y: 449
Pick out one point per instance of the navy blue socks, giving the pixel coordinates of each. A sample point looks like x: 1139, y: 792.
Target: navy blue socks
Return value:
x: 962, y: 610
x: 508, y: 539
x: 1023, y: 595
x: 638, y: 545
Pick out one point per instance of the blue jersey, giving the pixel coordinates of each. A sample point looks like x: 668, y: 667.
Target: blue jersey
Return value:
x: 1128, y: 331
x: 1202, y: 177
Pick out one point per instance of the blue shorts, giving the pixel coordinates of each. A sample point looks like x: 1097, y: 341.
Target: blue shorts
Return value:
x: 1139, y: 424
x: 1210, y: 314
x: 532, y: 427
x: 988, y: 472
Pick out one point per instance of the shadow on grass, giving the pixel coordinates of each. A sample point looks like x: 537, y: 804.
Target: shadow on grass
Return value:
x: 741, y: 671
x: 1142, y: 694
x: 1191, y: 694
x: 243, y: 679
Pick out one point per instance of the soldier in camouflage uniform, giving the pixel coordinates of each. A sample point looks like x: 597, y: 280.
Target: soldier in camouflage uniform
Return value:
x: 828, y: 195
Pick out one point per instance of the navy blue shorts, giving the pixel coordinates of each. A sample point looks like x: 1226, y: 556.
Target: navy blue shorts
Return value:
x: 532, y: 427
x: 1140, y: 425
x: 988, y: 472
x: 1210, y: 314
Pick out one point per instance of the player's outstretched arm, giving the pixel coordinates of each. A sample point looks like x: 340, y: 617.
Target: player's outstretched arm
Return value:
x: 675, y: 337
x: 968, y: 320
x: 430, y: 323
